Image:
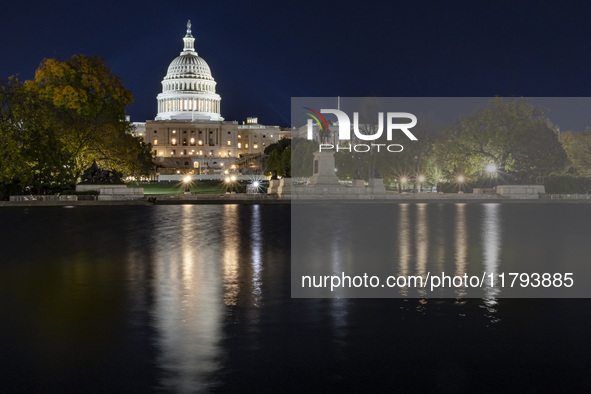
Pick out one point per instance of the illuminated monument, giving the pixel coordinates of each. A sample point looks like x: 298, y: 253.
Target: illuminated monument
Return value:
x: 189, y: 135
x: 188, y: 89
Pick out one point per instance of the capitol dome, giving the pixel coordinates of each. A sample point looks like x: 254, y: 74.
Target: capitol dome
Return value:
x: 189, y: 65
x: 188, y: 89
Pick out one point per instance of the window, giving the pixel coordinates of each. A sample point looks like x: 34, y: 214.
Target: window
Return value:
x: 245, y: 146
x: 174, y: 132
x: 155, y: 153
x: 229, y: 142
x: 239, y: 145
x: 184, y: 142
x: 264, y: 136
x: 196, y: 164
x: 173, y: 152
x: 185, y: 152
x: 200, y: 142
x: 184, y: 131
x: 229, y: 132
x: 187, y: 163
x: 174, y: 141
x: 155, y: 142
x: 255, y: 146
x: 192, y: 141
x: 155, y: 131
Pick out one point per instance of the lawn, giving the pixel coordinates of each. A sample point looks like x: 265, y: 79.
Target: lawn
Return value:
x: 207, y: 187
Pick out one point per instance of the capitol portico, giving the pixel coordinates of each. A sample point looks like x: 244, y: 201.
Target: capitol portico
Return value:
x: 189, y: 135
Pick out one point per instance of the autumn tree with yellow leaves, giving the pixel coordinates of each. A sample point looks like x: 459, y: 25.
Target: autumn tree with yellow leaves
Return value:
x: 57, y: 125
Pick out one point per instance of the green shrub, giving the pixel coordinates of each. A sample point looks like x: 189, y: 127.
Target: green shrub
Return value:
x: 567, y: 185
x: 450, y: 187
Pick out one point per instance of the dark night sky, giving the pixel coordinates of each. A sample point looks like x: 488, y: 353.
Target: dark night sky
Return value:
x: 262, y: 53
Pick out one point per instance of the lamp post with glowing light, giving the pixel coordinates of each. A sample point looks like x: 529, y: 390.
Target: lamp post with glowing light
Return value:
x: 230, y: 181
x: 403, y: 181
x: 421, y: 179
x: 187, y: 182
x: 461, y: 182
x: 491, y: 170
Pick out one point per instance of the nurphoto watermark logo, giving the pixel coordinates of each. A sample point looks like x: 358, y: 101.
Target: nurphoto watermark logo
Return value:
x: 328, y: 142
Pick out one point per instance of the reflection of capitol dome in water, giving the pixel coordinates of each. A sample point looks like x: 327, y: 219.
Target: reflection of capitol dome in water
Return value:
x: 188, y: 89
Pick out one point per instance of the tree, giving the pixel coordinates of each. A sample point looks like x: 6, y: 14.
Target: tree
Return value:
x: 54, y: 127
x: 278, y: 157
x: 88, y: 102
x: 405, y: 159
x: 578, y: 150
x: 491, y: 136
x: 280, y: 146
x: 539, y: 153
x: 302, y: 157
x: 14, y: 168
x: 31, y: 156
x: 273, y: 162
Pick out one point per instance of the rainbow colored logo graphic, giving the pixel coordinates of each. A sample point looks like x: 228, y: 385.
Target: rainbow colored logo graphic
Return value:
x: 323, y: 126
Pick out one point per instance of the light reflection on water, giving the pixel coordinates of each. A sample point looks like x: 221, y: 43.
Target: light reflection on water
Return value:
x: 461, y: 245
x: 256, y: 245
x: 398, y: 241
x: 206, y: 261
x: 421, y: 243
x: 197, y: 298
x: 491, y: 252
x: 191, y: 247
x: 404, y: 244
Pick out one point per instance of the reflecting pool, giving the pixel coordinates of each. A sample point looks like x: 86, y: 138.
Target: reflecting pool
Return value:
x: 197, y: 298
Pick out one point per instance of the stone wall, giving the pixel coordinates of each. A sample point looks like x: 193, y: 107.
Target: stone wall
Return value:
x: 113, y: 192
x: 528, y: 190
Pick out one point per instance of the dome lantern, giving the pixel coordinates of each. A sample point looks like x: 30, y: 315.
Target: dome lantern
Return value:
x: 189, y: 40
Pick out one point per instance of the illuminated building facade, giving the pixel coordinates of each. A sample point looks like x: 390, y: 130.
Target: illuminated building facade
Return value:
x: 189, y: 135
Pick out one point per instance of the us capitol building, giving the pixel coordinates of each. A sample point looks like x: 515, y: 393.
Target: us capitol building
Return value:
x: 189, y: 135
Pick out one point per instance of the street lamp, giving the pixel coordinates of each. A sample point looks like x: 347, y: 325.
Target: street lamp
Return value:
x: 230, y: 180
x: 187, y: 182
x: 421, y: 180
x: 461, y: 181
x: 403, y: 182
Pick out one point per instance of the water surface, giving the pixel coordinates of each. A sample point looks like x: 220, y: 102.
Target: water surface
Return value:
x: 196, y: 298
